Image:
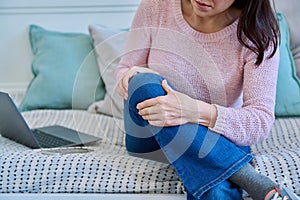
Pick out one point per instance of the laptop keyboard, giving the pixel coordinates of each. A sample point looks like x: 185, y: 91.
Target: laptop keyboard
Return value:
x: 49, y: 141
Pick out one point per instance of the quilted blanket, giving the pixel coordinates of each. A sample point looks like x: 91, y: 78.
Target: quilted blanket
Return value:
x: 107, y: 168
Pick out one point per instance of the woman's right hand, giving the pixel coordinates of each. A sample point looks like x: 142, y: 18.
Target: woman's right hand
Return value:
x: 122, y: 86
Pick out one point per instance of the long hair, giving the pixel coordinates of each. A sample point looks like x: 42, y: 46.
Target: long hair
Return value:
x: 258, y: 23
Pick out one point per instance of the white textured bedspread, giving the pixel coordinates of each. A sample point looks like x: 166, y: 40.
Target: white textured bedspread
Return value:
x: 109, y: 169
x: 106, y: 169
x: 279, y: 156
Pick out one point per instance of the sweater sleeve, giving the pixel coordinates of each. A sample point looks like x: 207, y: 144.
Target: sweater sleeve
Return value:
x: 253, y: 121
x: 139, y: 39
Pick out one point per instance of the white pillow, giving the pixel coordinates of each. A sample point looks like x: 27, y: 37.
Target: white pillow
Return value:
x: 109, y: 45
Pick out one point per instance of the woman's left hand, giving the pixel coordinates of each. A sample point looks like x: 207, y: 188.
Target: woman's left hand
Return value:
x: 173, y: 109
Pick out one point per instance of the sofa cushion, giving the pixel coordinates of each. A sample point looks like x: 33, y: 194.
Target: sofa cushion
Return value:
x: 278, y: 157
x: 289, y: 8
x: 288, y: 84
x: 65, y: 71
x: 109, y: 46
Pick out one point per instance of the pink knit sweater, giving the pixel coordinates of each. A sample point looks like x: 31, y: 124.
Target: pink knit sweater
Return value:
x: 214, y: 68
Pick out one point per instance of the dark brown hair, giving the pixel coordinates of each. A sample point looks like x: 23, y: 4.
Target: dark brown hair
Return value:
x: 258, y: 23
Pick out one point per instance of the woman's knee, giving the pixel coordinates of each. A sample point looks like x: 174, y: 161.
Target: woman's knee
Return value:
x: 144, y: 86
x: 141, y: 87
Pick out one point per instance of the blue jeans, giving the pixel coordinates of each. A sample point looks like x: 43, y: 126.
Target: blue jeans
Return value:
x: 202, y: 159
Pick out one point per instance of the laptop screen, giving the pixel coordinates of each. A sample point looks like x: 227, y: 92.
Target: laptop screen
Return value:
x: 12, y: 123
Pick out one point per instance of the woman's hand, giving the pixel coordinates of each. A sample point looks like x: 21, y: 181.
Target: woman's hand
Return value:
x: 122, y: 86
x: 173, y: 109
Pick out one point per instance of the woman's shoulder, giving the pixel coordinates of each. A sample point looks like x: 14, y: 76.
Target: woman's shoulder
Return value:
x: 152, y: 12
x: 153, y: 4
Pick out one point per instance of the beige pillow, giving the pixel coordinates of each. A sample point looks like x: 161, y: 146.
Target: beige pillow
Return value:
x: 109, y: 45
x: 289, y: 8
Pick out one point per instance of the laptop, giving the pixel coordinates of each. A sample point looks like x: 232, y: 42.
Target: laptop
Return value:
x: 13, y: 126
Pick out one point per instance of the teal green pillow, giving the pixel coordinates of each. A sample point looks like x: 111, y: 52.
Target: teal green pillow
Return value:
x: 66, y: 74
x: 288, y: 84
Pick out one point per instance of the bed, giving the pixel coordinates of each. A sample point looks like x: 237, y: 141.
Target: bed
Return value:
x: 76, y: 90
x: 106, y: 168
x: 35, y: 28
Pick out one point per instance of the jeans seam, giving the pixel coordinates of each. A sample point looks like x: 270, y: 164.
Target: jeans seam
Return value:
x: 225, y: 175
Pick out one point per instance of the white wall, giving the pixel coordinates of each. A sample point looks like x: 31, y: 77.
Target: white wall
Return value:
x: 61, y: 15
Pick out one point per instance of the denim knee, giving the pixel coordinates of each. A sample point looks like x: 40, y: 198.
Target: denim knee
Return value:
x: 141, y: 87
x: 144, y: 86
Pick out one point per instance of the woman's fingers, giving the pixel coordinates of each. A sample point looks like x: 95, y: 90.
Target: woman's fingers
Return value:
x: 166, y: 86
x: 122, y: 86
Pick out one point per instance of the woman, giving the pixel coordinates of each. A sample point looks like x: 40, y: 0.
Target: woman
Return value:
x: 222, y: 58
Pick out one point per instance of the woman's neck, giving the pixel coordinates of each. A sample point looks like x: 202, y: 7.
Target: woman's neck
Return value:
x: 210, y: 24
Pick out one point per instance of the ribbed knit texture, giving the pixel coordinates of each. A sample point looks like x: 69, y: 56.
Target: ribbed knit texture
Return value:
x: 214, y: 68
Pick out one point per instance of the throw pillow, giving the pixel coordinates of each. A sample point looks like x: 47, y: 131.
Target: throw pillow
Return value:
x: 288, y: 84
x: 289, y: 8
x: 65, y: 71
x: 109, y: 45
